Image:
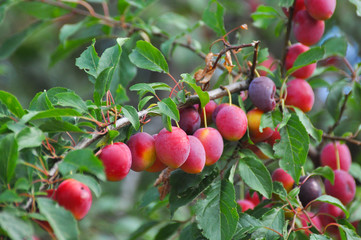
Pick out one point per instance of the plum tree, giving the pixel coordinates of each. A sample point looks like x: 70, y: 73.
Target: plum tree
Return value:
x: 300, y: 94
x: 197, y: 157
x: 320, y: 9
x: 307, y: 30
x: 344, y: 187
x: 75, y: 197
x: 231, y: 122
x: 117, y: 161
x: 333, y: 151
x: 261, y: 92
x: 172, y: 148
x: 142, y: 147
x: 293, y: 52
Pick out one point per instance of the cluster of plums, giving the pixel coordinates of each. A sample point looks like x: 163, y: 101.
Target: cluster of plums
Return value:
x: 335, y: 155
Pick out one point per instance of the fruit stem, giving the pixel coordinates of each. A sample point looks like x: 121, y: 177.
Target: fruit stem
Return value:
x: 176, y: 123
x: 204, y: 117
x: 338, y: 164
x: 229, y: 94
x: 303, y: 171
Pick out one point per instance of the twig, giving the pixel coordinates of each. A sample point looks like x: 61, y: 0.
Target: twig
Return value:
x: 343, y: 107
x: 346, y: 139
x: 287, y: 38
x: 255, y: 55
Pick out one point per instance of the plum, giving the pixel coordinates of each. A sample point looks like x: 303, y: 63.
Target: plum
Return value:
x: 300, y: 94
x: 231, y: 122
x: 293, y: 52
x: 254, y: 121
x: 283, y: 177
x: 344, y: 187
x: 261, y: 92
x: 142, y: 147
x: 328, y: 156
x: 320, y: 9
x: 197, y: 157
x: 310, y: 190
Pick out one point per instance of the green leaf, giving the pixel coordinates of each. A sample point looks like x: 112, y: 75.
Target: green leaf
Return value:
x: 29, y: 137
x: 144, y: 101
x: 333, y: 201
x: 293, y: 147
x: 311, y: 56
x: 53, y: 125
x: 132, y: 114
x: 102, y: 83
x: 22, y: 184
x: 315, y: 133
x: 126, y: 70
x: 191, y: 231
x: 71, y: 99
x: 271, y: 119
x: 61, y: 220
x: 213, y: 17
x: 217, y: 213
x: 273, y: 219
x: 67, y: 30
x: 335, y: 98
x: 203, y: 95
x: 8, y: 157
x: 350, y: 234
x: 12, y: 103
x: 336, y: 46
x: 264, y: 16
x: 279, y: 190
x: 82, y: 160
x: 15, y: 227
x: 88, y: 60
x: 319, y: 237
x: 142, y: 88
x: 167, y: 231
x: 167, y: 123
x: 9, y: 196
x: 51, y: 113
x: 5, y: 5
x: 255, y: 175
x: 9, y: 46
x: 169, y: 108
x: 111, y: 56
x: 186, y: 187
x: 142, y: 230
x: 285, y: 3
x: 356, y: 91
x: 89, y: 181
x: 146, y: 56
x: 355, y: 171
x: 318, y: 83
x: 357, y: 4
x: 325, y: 172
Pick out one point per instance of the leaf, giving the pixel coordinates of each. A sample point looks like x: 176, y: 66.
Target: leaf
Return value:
x: 9, y: 196
x: 186, y: 187
x: 102, y: 84
x: 61, y: 221
x: 266, y: 149
x: 5, y: 5
x: 8, y: 157
x: 67, y: 30
x: 285, y: 3
x: 142, y: 230
x: 255, y: 175
x: 264, y: 16
x: 325, y: 172
x: 355, y: 171
x: 293, y: 147
x: 217, y: 213
x: 319, y: 237
x: 111, y: 56
x: 15, y: 227
x: 318, y: 83
x: 350, y: 234
x: 29, y: 137
x: 167, y: 123
x: 336, y: 46
x: 51, y: 113
x: 213, y: 17
x: 203, y: 95
x: 132, y: 115
x: 12, y: 103
x: 311, y: 56
x: 169, y: 108
x: 82, y: 160
x: 9, y: 46
x: 335, y: 98
x: 89, y: 181
x: 144, y: 101
x: 167, y: 231
x: 22, y: 184
x: 271, y: 119
x: 246, y: 225
x: 333, y: 201
x: 71, y: 99
x: 273, y: 219
x: 356, y: 91
x: 315, y: 133
x: 88, y: 60
x: 357, y: 4
x: 142, y: 88
x: 53, y: 125
x: 146, y: 56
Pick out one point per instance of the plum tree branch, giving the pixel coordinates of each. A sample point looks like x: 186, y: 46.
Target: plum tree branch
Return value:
x: 346, y: 139
x: 287, y: 38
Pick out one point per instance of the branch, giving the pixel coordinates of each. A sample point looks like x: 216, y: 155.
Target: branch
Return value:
x: 346, y: 139
x: 287, y: 38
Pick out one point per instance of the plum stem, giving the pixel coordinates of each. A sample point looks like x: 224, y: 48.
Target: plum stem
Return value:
x: 204, y: 117
x: 338, y: 163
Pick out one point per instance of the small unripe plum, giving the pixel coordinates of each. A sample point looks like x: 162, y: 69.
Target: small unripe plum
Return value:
x: 283, y: 177
x: 210, y: 107
x: 320, y: 9
x: 142, y: 147
x: 329, y: 158
x: 293, y: 52
x: 189, y: 120
x: 75, y: 197
x: 197, y: 157
x: 231, y: 122
x: 217, y: 109
x: 327, y: 214
x: 307, y: 30
x: 261, y: 92
x: 310, y: 190
x: 172, y: 148
x: 268, y: 63
x: 344, y: 187
x: 300, y: 94
x: 254, y: 121
x: 274, y: 137
x: 117, y: 160
x: 245, y: 205
x: 212, y: 142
